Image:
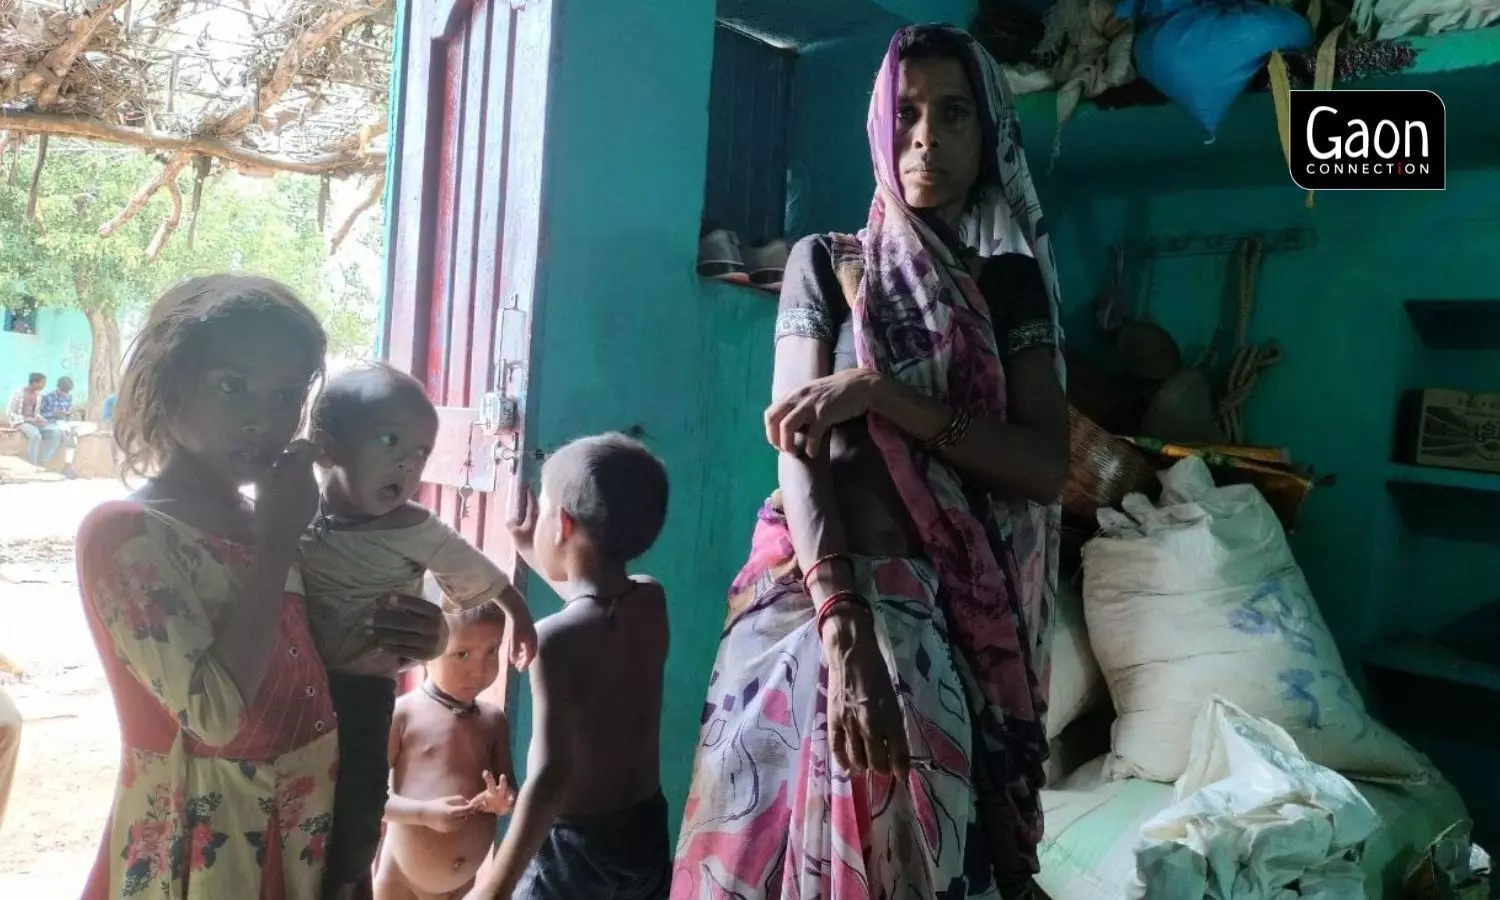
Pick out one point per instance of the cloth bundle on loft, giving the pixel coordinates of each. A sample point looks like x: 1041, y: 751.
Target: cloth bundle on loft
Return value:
x: 1401, y: 18
x: 1093, y: 54
x: 1076, y: 47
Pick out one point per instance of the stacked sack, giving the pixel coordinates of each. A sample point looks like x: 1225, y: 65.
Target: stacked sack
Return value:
x: 1201, y: 596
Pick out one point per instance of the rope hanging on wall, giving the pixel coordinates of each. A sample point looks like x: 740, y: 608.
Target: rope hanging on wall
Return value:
x: 1249, y: 359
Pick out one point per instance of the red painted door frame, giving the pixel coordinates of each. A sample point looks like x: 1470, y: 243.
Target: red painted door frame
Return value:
x: 463, y: 269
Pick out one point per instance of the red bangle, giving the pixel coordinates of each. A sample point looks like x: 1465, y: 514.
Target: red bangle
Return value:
x: 822, y: 561
x: 835, y: 599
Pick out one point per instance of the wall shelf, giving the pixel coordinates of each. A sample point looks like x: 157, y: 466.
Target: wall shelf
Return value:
x: 1425, y: 689
x: 1447, y: 704
x: 743, y: 283
x: 1456, y: 324
x: 1416, y: 655
x: 1447, y: 503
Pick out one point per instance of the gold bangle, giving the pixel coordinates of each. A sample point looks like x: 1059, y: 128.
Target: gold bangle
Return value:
x: 940, y: 439
x: 961, y: 427
x: 953, y: 432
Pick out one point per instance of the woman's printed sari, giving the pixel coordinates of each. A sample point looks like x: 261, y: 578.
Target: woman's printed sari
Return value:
x: 964, y: 631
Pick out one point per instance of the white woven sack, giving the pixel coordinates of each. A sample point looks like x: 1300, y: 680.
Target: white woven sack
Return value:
x: 1201, y: 596
x: 1076, y: 685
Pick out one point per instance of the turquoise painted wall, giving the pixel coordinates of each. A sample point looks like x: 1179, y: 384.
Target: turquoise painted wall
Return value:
x: 830, y: 179
x: 1336, y: 310
x: 61, y: 346
x: 626, y: 334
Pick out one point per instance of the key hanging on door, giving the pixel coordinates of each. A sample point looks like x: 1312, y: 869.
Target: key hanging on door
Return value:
x: 467, y: 488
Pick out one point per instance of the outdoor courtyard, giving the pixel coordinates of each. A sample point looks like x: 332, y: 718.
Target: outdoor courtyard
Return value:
x: 70, y: 740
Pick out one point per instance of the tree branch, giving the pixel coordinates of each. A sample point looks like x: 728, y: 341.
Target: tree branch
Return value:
x: 217, y: 136
x: 204, y: 166
x: 332, y: 24
x: 371, y: 131
x: 357, y: 143
x: 45, y: 81
x: 243, y: 158
x: 168, y: 225
x: 36, y: 179
x: 167, y: 175
x: 372, y: 197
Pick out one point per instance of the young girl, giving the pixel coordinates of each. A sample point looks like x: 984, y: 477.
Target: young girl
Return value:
x: 228, y: 736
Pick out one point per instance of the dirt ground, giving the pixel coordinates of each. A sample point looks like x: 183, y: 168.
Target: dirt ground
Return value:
x: 69, y: 740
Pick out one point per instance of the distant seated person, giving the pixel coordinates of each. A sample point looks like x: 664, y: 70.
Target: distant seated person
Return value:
x: 57, y: 410
x: 25, y: 415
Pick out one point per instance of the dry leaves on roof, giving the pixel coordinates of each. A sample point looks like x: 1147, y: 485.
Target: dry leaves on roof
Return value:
x: 262, y: 86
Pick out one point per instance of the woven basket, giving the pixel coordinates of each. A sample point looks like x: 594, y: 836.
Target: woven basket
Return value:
x: 1102, y: 468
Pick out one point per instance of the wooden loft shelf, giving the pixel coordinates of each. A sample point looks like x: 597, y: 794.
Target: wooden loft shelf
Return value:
x: 742, y: 282
x: 1447, y: 503
x: 1453, y: 51
x: 1456, y: 324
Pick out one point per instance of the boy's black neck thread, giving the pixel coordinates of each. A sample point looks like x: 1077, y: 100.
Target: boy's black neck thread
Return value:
x: 456, y: 706
x: 608, y: 600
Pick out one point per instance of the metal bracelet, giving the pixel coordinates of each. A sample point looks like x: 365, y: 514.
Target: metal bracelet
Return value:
x: 953, y: 432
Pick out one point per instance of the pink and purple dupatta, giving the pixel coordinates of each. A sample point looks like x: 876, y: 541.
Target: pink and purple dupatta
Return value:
x: 921, y: 319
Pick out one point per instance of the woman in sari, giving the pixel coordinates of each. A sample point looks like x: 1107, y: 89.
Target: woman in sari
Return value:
x: 874, y: 723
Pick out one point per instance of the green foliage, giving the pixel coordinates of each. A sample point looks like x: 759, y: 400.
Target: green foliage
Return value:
x: 61, y: 259
x: 260, y: 226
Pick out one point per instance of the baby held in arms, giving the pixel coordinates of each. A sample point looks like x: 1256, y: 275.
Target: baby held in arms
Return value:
x: 450, y: 768
x: 374, y: 428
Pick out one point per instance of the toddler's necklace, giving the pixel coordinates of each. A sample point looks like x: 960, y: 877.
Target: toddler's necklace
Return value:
x: 457, y: 707
x: 328, y: 521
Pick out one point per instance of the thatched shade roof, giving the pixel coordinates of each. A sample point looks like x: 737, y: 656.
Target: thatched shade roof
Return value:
x: 259, y: 85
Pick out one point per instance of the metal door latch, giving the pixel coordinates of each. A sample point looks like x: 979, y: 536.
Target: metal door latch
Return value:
x: 498, y: 413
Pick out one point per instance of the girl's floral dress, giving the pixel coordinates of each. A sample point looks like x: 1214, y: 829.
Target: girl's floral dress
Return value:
x: 218, y: 798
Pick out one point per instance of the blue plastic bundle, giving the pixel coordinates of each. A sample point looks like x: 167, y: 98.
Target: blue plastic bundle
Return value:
x: 1202, y: 53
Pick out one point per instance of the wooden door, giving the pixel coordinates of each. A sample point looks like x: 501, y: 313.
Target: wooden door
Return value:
x: 472, y: 87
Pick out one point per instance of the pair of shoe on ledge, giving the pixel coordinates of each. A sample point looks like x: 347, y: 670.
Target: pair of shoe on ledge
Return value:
x: 721, y: 256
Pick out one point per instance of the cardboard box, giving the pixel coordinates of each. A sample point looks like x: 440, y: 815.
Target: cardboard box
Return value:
x: 1449, y: 430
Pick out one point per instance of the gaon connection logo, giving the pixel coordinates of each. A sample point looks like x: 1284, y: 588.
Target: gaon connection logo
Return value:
x: 1368, y: 141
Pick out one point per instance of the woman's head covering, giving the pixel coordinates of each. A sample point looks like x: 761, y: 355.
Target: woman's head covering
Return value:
x: 920, y: 319
x: 1005, y: 216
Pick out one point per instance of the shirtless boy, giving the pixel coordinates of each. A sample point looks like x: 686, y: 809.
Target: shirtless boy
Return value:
x: 591, y: 822
x: 450, y: 768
